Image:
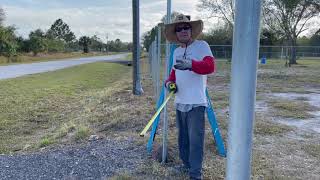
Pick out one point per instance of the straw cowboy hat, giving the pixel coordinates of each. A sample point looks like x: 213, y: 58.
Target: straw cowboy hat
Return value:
x: 197, y: 27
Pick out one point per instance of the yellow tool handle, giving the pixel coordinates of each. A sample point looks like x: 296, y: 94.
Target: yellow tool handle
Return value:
x: 172, y: 85
x: 143, y: 132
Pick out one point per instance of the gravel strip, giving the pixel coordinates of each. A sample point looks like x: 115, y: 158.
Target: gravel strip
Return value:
x: 95, y: 160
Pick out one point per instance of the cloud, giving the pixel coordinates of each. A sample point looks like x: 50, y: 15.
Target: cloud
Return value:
x: 100, y: 17
x: 82, y: 21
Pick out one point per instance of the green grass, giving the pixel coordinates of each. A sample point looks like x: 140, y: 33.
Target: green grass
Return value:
x: 292, y: 109
x: 53, y: 103
x: 124, y: 176
x: 220, y: 100
x: 82, y: 132
x: 129, y: 56
x: 264, y: 128
x: 65, y: 128
x: 262, y: 167
x: 275, y: 77
x: 46, y: 142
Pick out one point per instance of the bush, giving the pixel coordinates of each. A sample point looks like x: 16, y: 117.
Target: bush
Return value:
x: 8, y: 44
x: 55, y: 45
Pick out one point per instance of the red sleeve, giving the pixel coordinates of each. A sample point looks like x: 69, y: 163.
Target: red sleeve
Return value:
x: 172, y: 77
x: 206, y: 66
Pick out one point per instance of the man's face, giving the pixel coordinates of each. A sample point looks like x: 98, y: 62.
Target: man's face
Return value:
x: 183, y: 32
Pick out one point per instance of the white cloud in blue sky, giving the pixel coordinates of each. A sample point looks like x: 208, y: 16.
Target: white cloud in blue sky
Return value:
x: 90, y: 17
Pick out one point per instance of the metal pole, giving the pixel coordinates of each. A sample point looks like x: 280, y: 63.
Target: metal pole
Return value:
x: 158, y: 59
x: 154, y: 81
x: 107, y: 48
x: 165, y: 116
x: 137, y: 88
x: 243, y: 88
x: 155, y: 68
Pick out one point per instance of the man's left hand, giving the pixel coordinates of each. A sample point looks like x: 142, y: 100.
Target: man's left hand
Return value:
x: 184, y: 64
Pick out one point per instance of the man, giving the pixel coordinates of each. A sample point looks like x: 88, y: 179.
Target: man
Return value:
x: 192, y: 60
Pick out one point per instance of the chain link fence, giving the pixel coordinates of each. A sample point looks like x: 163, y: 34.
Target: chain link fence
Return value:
x: 157, y: 57
x: 273, y: 52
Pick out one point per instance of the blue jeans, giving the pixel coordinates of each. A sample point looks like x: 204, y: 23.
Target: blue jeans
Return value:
x: 191, y: 127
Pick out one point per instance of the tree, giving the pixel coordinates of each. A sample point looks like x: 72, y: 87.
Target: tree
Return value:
x: 303, y: 41
x: 315, y: 39
x: 74, y: 46
x: 85, y: 41
x: 96, y: 43
x: 8, y: 44
x: 269, y: 38
x: 61, y: 31
x: 118, y: 46
x: 286, y: 18
x: 23, y: 45
x: 37, y: 42
x: 289, y: 18
x: 148, y: 38
x: 221, y: 9
x: 37, y: 33
x: 129, y: 46
x: 55, y: 45
x: 2, y: 16
x: 219, y: 36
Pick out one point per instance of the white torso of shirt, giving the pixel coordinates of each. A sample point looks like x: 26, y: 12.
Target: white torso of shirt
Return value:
x: 191, y: 86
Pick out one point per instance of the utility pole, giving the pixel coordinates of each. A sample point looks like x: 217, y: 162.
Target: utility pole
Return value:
x: 137, y: 88
x: 243, y: 88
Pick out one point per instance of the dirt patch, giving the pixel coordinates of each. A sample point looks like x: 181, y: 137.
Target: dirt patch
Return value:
x: 308, y: 124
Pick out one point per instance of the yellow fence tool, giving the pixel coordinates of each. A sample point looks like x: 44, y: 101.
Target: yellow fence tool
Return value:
x: 143, y: 132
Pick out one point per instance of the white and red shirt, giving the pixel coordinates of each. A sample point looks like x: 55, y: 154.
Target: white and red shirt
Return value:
x: 192, y: 84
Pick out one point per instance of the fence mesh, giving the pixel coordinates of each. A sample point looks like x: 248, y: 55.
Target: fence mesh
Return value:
x: 224, y: 52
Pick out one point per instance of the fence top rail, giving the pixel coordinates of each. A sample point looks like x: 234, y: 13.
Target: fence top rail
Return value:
x: 294, y: 46
x: 271, y: 46
x: 228, y: 45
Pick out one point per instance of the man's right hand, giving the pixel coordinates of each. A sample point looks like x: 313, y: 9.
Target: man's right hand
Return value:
x: 172, y: 87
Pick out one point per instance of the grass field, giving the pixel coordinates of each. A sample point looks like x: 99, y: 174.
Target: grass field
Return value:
x: 67, y: 106
x: 41, y: 109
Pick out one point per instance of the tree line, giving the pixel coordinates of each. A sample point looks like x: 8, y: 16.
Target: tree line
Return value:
x: 283, y: 22
x: 59, y: 38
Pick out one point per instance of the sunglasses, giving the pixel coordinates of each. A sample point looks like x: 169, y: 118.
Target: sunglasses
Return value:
x: 179, y: 29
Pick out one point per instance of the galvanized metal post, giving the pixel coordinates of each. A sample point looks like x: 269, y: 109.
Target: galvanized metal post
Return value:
x: 137, y: 88
x: 154, y: 67
x: 158, y: 59
x: 165, y: 116
x: 243, y: 88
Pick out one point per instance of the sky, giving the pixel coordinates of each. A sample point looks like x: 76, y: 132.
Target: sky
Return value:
x: 93, y: 17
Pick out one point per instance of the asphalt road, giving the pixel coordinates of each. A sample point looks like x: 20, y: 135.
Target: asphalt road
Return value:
x: 13, y: 71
